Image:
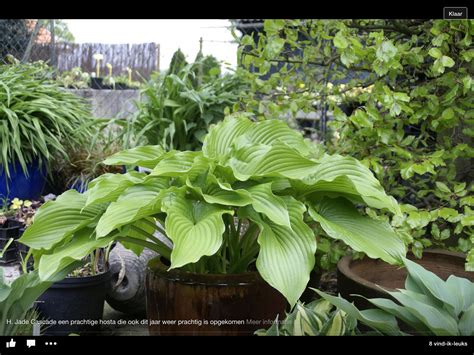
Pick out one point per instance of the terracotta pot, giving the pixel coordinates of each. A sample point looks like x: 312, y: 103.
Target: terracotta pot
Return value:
x: 184, y: 303
x: 362, y: 276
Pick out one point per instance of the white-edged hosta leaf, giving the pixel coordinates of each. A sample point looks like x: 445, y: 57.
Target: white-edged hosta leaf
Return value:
x: 196, y: 229
x: 286, y: 255
x: 147, y: 156
x: 57, y: 220
x: 109, y: 189
x: 136, y: 202
x: 82, y: 243
x: 374, y: 318
x: 336, y: 325
x: 439, y: 322
x: 466, y: 323
x: 267, y: 203
x: 346, y: 176
x: 341, y: 220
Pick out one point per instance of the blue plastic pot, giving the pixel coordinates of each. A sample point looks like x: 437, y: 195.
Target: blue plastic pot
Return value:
x: 20, y: 185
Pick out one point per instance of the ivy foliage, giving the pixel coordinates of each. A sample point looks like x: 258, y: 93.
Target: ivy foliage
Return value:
x: 396, y: 94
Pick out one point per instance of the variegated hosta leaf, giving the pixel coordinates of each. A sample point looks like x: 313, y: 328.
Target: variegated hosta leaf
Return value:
x: 82, y: 243
x: 195, y: 228
x: 341, y: 220
x: 278, y: 160
x: 147, y: 156
x: 110, y: 188
x: 286, y: 255
x: 137, y: 202
x: 346, y: 176
x: 374, y: 318
x: 59, y: 219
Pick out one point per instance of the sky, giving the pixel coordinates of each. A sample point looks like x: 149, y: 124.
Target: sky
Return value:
x: 170, y: 34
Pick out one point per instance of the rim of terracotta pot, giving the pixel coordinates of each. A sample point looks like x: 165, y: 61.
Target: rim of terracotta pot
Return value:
x: 344, y: 266
x: 157, y: 267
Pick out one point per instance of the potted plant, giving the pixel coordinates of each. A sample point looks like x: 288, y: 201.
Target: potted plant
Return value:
x: 376, y: 278
x: 425, y: 305
x: 96, y: 81
x: 85, y: 161
x: 246, y: 212
x: 13, y: 221
x: 77, y: 300
x: 74, y: 79
x: 39, y: 120
x: 18, y: 300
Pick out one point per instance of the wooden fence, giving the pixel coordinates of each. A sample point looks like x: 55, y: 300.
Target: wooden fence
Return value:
x: 142, y: 58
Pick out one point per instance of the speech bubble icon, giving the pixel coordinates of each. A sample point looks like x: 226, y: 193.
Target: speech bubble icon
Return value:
x: 30, y: 342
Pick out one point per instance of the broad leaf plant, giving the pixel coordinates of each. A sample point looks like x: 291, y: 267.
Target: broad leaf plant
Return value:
x: 254, y: 197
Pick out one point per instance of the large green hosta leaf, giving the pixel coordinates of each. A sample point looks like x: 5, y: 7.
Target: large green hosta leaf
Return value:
x: 278, y: 160
x: 195, y: 228
x: 272, y: 206
x: 175, y: 163
x: 340, y: 220
x: 137, y: 202
x: 147, y: 156
x: 221, y: 137
x: 239, y: 130
x: 59, y: 219
x: 216, y: 192
x: 83, y: 242
x: 286, y: 255
x: 109, y: 189
x: 346, y: 176
x: 269, y: 132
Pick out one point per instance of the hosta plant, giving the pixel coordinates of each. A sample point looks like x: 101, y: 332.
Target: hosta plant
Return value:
x: 249, y: 199
x: 427, y: 306
x: 319, y: 317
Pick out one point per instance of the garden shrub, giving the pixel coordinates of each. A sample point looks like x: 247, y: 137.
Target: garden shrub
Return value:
x: 400, y: 95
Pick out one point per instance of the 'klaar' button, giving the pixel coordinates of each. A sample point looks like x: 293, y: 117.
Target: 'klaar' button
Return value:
x: 455, y: 13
